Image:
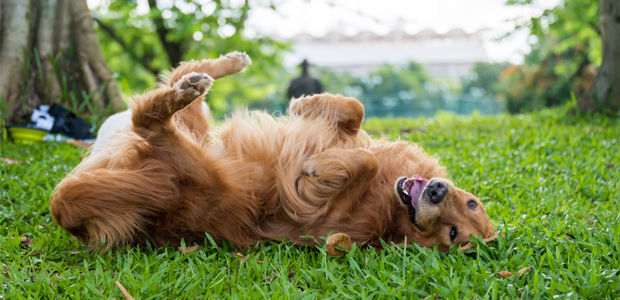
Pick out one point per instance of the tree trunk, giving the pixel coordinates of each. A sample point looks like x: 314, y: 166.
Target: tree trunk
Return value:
x: 50, y: 54
x: 604, y: 95
x: 15, y: 16
x: 89, y: 53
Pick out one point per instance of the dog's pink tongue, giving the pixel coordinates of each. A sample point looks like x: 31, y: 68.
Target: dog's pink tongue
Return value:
x: 416, y: 189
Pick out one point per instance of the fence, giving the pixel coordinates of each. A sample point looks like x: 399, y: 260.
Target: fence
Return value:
x: 401, y: 105
x: 405, y: 105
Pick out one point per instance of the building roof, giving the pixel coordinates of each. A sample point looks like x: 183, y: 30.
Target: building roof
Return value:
x: 367, y: 49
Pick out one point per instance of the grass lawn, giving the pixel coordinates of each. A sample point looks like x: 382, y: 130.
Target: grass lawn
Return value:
x: 549, y: 182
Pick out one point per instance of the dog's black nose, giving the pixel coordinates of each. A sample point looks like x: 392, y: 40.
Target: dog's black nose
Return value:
x: 436, y: 191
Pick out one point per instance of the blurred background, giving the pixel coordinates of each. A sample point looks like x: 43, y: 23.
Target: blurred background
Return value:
x: 401, y: 58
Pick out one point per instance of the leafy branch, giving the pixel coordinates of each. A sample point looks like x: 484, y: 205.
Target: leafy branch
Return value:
x: 145, y: 60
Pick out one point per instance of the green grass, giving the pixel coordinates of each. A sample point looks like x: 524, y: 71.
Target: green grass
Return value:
x: 549, y: 181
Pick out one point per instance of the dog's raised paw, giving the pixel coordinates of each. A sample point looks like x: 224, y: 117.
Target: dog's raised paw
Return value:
x: 239, y: 60
x: 198, y: 83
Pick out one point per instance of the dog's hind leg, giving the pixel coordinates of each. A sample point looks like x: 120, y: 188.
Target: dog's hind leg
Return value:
x: 194, y: 119
x: 152, y: 120
x: 115, y: 206
x: 152, y: 112
x: 212, y: 186
x: 228, y: 64
x: 346, y: 113
x: 193, y: 116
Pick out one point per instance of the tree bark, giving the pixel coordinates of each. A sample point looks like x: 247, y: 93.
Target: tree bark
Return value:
x: 34, y: 56
x: 44, y: 46
x: 90, y: 55
x: 15, y: 31
x: 604, y: 95
x: 62, y: 27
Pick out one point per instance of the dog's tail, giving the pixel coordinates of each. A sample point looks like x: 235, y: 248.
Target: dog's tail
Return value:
x: 228, y: 64
x: 112, y: 206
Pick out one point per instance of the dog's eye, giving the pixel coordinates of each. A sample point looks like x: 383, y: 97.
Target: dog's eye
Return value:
x: 453, y: 234
x: 471, y: 203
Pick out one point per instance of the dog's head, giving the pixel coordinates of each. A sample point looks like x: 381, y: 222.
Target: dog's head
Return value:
x: 442, y: 213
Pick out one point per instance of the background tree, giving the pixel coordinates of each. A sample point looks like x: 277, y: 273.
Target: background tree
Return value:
x: 386, y: 79
x: 50, y: 53
x: 604, y: 95
x: 566, y: 57
x: 411, y: 77
x: 484, y: 79
x: 142, y: 40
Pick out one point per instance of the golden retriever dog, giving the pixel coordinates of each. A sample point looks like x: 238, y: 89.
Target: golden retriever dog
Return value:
x: 258, y: 177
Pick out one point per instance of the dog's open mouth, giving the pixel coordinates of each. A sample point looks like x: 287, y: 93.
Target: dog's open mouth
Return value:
x: 410, y: 190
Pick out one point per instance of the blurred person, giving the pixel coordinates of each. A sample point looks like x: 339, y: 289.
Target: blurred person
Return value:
x: 304, y: 84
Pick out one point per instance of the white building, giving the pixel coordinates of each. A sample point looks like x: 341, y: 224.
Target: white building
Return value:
x: 451, y: 54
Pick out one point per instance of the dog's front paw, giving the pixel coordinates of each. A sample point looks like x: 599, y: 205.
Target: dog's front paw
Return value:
x: 193, y: 83
x: 321, y: 163
x: 238, y: 61
x: 309, y: 169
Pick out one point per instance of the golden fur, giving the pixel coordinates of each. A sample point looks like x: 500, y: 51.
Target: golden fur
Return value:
x: 256, y: 177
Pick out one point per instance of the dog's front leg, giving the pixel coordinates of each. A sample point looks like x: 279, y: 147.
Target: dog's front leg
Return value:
x: 334, y: 180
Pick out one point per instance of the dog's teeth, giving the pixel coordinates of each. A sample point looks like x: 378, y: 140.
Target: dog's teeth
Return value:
x: 402, y: 187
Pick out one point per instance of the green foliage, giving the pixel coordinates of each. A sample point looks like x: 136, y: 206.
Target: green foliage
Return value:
x: 566, y: 47
x: 337, y: 83
x: 386, y: 79
x: 394, y: 78
x: 140, y: 43
x: 549, y: 181
x: 484, y: 79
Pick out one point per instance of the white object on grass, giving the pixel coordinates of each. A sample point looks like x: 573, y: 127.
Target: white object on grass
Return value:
x: 119, y: 123
x: 42, y: 119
